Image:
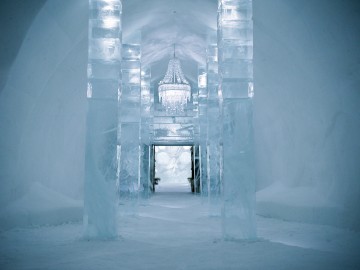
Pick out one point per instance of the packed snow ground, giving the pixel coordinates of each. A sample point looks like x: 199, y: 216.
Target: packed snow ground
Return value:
x: 173, y: 230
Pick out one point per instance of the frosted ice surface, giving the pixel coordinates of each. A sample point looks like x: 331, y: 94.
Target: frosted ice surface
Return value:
x: 102, y: 119
x: 236, y: 73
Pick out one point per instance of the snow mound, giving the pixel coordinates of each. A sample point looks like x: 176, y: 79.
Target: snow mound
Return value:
x: 41, y: 206
x: 300, y: 204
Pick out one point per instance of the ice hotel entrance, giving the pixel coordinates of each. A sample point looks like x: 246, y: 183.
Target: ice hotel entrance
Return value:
x: 175, y: 169
x: 140, y: 99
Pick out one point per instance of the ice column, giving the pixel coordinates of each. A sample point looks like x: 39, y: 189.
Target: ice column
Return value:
x: 129, y: 123
x: 196, y: 175
x: 213, y: 125
x: 235, y: 41
x: 104, y: 63
x: 146, y: 127
x: 202, y: 122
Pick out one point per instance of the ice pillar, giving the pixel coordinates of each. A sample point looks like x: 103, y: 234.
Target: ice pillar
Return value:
x: 235, y: 41
x: 202, y: 123
x: 104, y: 62
x: 129, y: 123
x: 196, y: 169
x: 213, y: 125
x: 146, y: 127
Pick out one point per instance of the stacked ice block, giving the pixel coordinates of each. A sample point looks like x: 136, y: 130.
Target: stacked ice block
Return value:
x: 147, y: 99
x: 235, y: 41
x: 202, y: 125
x: 213, y: 125
x: 129, y: 122
x: 104, y: 62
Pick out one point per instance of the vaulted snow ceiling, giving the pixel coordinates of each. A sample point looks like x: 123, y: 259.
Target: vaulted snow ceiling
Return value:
x: 165, y: 22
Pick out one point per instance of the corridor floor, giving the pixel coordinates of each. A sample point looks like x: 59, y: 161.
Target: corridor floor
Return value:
x: 173, y: 230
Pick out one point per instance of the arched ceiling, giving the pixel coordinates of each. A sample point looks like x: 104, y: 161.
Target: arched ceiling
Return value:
x: 165, y: 22
x: 14, y: 30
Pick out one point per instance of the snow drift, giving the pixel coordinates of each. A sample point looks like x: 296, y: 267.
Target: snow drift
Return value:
x: 41, y: 206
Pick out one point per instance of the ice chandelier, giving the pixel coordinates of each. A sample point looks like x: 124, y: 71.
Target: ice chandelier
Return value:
x: 174, y: 89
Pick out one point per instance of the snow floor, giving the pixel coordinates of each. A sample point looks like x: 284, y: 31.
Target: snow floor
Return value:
x: 173, y: 230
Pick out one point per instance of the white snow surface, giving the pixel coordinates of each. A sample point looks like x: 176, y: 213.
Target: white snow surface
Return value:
x: 294, y: 196
x: 302, y: 204
x: 173, y: 230
x: 40, y: 206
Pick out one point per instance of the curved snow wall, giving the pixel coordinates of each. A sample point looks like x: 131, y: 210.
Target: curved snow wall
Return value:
x: 306, y: 108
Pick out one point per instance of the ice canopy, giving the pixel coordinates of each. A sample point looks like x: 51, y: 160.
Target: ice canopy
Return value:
x: 305, y: 115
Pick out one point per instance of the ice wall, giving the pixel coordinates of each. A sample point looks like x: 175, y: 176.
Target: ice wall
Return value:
x: 43, y: 106
x: 9, y: 11
x: 306, y: 111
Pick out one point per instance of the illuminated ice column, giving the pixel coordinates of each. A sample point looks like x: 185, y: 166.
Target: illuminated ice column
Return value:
x: 235, y: 30
x: 103, y: 83
x: 130, y: 117
x: 213, y: 125
x: 202, y: 118
x: 145, y: 131
x: 194, y: 112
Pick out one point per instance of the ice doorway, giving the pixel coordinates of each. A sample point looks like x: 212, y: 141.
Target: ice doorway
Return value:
x: 173, y: 168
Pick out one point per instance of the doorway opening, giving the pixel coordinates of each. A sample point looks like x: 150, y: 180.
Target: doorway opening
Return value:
x: 173, y: 169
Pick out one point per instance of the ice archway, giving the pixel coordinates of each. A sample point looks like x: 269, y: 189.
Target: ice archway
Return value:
x: 125, y: 118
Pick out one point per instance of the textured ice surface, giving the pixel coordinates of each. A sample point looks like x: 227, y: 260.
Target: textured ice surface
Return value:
x: 301, y: 204
x: 40, y: 206
x: 235, y: 30
x: 238, y: 192
x: 173, y: 231
x: 102, y: 118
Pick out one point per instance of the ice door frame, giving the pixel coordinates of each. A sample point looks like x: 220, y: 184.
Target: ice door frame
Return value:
x: 195, y: 162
